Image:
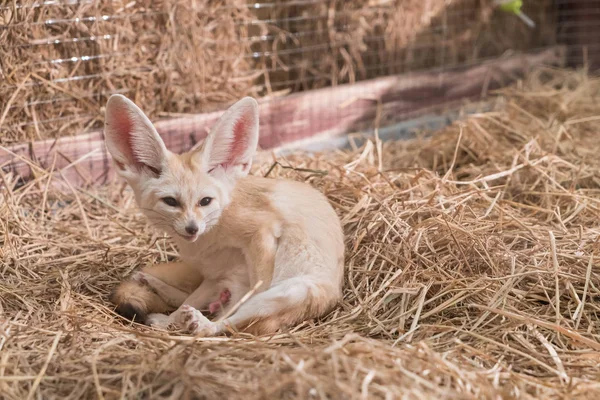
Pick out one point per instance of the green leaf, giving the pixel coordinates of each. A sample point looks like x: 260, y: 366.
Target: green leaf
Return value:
x: 513, y: 6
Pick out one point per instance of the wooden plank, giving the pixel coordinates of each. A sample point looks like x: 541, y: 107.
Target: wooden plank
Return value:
x: 326, y: 112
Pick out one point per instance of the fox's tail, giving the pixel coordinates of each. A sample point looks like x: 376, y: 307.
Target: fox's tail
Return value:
x: 135, y: 301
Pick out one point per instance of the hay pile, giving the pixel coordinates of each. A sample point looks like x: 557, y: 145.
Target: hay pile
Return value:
x: 473, y: 271
x: 60, y: 60
x: 362, y: 39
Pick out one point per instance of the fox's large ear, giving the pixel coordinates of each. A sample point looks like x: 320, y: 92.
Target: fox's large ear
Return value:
x: 232, y: 143
x: 131, y: 138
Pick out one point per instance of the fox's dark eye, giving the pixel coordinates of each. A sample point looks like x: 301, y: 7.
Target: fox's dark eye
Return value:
x: 170, y: 201
x: 205, y: 201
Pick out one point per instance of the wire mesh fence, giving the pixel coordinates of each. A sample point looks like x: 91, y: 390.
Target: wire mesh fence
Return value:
x: 65, y: 57
x: 60, y: 60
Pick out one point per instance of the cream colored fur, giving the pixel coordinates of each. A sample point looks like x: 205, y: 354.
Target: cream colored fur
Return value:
x: 282, y: 233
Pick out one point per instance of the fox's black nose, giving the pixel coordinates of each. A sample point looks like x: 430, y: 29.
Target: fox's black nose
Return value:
x: 192, y: 228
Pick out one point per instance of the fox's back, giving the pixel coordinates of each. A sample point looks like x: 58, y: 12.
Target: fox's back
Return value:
x: 300, y: 207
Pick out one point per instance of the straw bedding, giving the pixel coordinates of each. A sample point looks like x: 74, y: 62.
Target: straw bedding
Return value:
x: 472, y: 272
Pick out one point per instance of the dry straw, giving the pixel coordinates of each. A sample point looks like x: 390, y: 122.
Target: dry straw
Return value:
x: 472, y: 272
x: 60, y: 60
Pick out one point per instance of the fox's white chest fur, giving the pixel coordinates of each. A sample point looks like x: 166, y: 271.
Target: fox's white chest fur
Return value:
x: 225, y: 268
x: 234, y: 231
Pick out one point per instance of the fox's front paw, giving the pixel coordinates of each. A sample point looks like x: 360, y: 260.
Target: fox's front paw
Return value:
x: 146, y: 280
x: 192, y: 321
x: 161, y: 321
x: 140, y: 277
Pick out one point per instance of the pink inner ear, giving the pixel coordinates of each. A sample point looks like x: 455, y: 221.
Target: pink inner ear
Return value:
x: 124, y: 126
x: 239, y: 141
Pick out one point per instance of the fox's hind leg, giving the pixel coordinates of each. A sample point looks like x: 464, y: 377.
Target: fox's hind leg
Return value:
x: 171, y: 295
x: 306, y: 285
x: 157, y: 289
x: 286, y: 303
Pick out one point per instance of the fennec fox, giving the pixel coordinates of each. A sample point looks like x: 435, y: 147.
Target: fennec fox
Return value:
x: 232, y: 230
